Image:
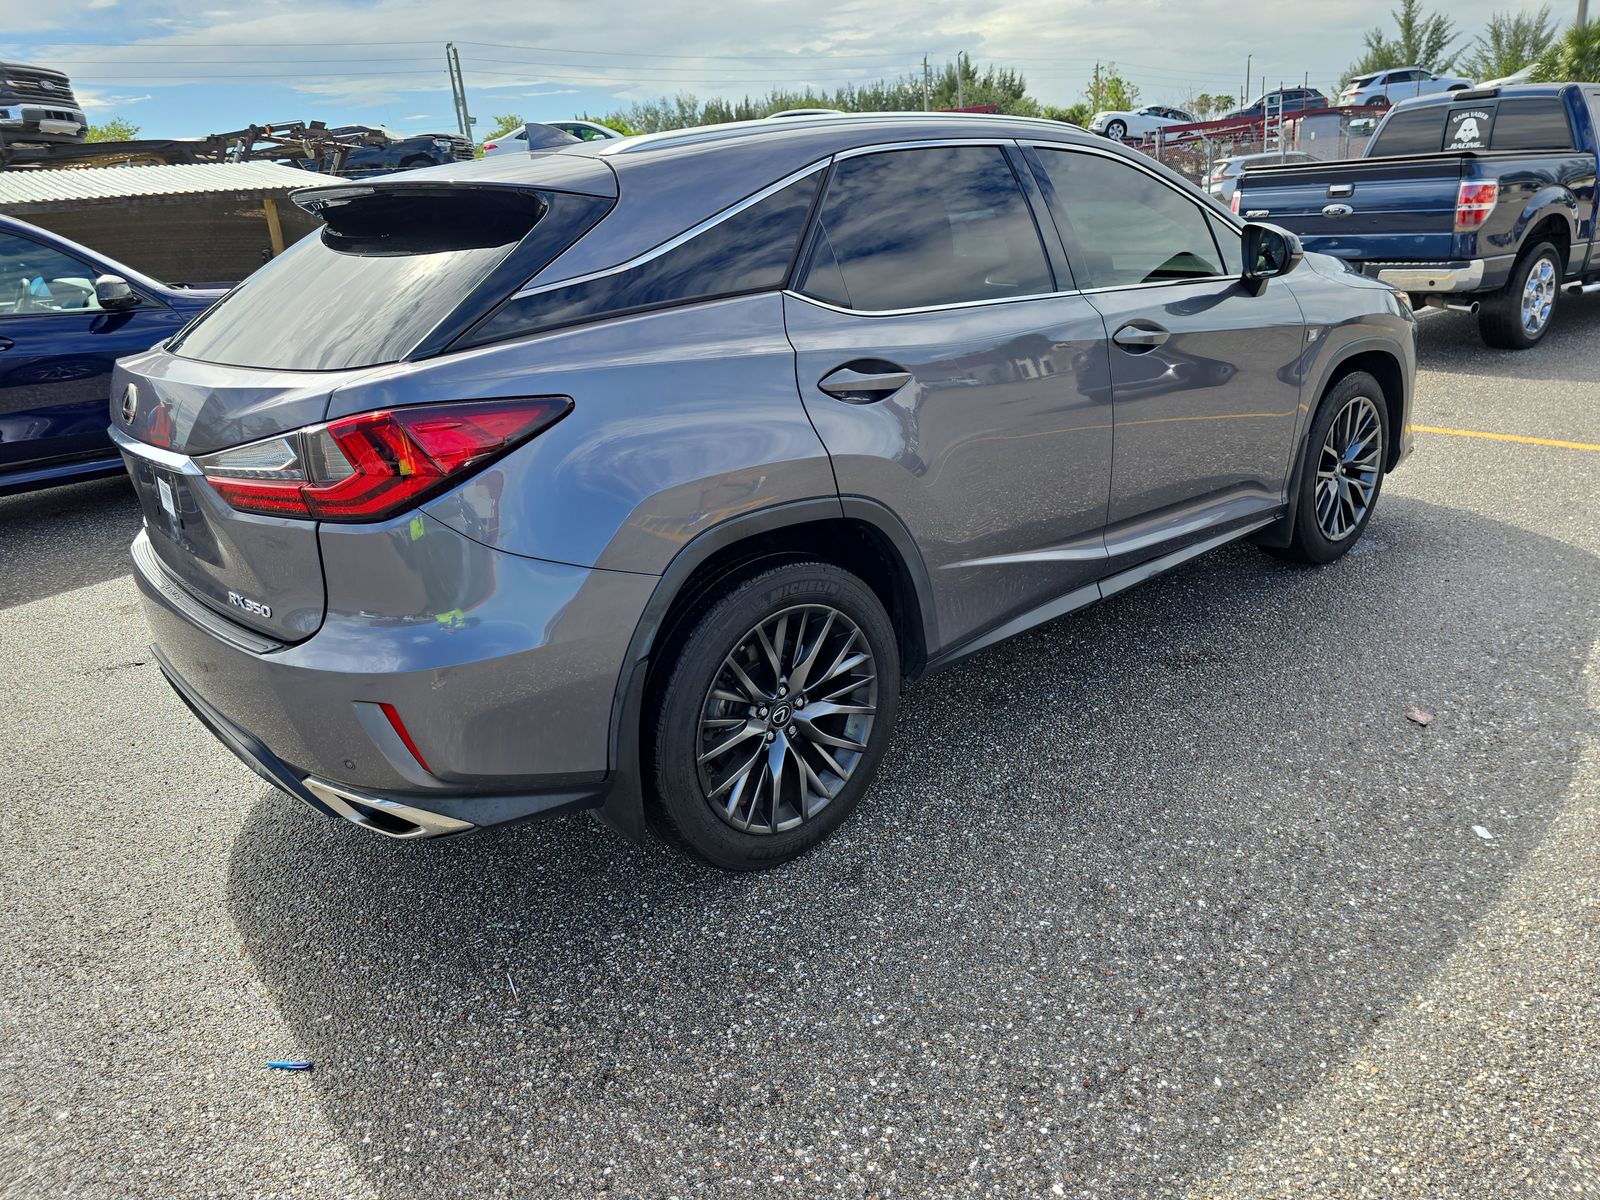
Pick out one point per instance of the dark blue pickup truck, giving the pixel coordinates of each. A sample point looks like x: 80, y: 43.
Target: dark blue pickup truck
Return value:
x: 1479, y: 200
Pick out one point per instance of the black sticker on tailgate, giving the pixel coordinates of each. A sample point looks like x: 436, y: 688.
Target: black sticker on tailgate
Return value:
x: 1468, y: 129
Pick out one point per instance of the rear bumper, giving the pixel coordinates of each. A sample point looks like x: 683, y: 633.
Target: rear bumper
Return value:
x: 1444, y: 278
x: 1431, y: 278
x: 506, y: 693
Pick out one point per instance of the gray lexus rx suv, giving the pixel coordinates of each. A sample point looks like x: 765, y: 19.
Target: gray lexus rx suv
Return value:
x: 641, y: 475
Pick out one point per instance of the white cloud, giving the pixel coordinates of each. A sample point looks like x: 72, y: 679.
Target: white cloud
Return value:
x: 91, y: 100
x: 102, y: 3
x: 417, y: 117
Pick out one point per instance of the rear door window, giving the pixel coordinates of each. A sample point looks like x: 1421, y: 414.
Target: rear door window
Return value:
x: 748, y: 251
x: 1124, y: 226
x: 1410, y: 131
x: 1537, y: 123
x: 924, y: 228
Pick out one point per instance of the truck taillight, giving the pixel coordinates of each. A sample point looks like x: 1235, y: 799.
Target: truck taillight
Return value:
x: 1234, y: 203
x: 371, y: 466
x: 1474, y: 203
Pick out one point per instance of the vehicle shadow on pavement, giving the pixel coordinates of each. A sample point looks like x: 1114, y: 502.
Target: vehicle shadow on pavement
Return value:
x: 1128, y: 887
x: 1450, y: 342
x: 65, y: 537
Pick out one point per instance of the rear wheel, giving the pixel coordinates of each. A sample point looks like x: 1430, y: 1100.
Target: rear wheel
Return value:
x: 777, y: 710
x: 1342, y: 471
x: 1518, y: 316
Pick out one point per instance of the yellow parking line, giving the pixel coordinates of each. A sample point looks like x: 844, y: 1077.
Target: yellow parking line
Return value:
x: 1506, y: 437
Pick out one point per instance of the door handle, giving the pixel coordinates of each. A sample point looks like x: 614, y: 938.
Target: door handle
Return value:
x: 6, y: 343
x: 863, y: 382
x: 1140, y: 337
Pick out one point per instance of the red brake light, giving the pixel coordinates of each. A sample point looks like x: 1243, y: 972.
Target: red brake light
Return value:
x: 491, y: 146
x: 371, y: 466
x: 1234, y: 203
x: 1474, y: 203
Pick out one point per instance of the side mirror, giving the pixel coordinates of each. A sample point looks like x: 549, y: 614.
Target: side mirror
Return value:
x: 1268, y: 253
x: 114, y: 293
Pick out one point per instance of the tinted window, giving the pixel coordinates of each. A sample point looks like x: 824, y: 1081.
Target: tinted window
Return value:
x: 1410, y: 131
x: 1124, y: 226
x: 369, y: 286
x: 1533, y: 124
x: 750, y: 251
x: 914, y: 228
x: 36, y: 279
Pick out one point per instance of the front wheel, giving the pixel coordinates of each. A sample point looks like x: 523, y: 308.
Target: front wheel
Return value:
x: 776, y: 712
x: 1341, y: 472
x: 1117, y: 130
x: 1518, y: 316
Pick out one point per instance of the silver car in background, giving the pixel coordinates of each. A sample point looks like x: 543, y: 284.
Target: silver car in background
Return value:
x: 1224, y: 178
x: 641, y: 475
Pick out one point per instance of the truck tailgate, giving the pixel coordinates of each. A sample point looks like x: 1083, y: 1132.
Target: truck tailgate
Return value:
x: 1392, y: 209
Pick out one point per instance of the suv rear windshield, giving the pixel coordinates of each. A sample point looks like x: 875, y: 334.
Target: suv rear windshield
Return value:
x: 384, y: 271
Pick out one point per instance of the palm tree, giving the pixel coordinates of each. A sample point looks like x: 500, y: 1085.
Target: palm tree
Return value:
x: 1575, y: 58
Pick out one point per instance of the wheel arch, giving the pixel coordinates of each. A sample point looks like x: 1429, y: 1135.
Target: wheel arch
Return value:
x: 852, y: 532
x: 1550, y: 217
x: 1383, y: 362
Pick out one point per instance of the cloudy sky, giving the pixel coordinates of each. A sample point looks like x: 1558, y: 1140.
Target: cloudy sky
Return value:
x: 177, y: 67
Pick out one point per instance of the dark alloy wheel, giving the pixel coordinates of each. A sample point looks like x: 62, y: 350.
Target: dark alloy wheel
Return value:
x: 1346, y: 453
x: 1348, y: 468
x: 774, y: 716
x: 786, y: 720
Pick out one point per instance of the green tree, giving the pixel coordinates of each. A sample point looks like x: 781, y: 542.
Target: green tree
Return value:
x: 503, y: 125
x: 1576, y: 57
x: 117, y: 129
x: 1511, y: 41
x: 957, y: 82
x: 1110, y: 92
x: 1421, y: 39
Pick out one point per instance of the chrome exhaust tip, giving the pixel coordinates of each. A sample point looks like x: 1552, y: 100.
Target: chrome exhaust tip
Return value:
x: 388, y: 817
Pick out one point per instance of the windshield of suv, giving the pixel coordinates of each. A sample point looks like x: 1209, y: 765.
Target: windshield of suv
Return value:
x: 366, y: 289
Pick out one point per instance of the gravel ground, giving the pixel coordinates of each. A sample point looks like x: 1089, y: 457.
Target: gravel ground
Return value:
x: 1167, y: 899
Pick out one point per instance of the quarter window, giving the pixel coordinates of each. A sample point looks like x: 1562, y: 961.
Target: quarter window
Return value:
x: 1124, y: 226
x: 919, y: 228
x: 35, y: 279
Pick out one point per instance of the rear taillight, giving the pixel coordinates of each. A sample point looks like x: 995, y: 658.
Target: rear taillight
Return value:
x: 371, y: 466
x: 1474, y: 203
x: 1234, y: 203
x: 491, y: 146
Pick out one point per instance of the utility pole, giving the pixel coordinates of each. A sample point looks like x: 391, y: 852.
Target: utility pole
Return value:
x: 458, y: 90
x: 924, y: 83
x: 1244, y: 96
x: 1097, y: 87
x: 961, y: 71
x: 1583, y: 13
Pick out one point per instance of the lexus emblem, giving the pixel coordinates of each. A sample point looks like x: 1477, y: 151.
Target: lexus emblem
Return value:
x: 130, y: 404
x: 1337, y: 210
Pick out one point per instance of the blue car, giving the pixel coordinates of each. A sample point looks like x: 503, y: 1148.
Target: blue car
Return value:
x: 66, y: 315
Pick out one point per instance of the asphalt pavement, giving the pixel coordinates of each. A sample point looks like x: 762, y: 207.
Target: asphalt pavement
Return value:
x: 1166, y: 899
